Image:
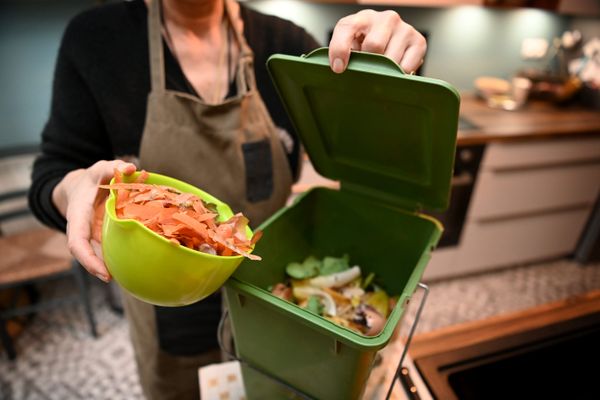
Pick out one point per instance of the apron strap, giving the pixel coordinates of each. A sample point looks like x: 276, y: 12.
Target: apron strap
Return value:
x: 155, y: 43
x: 245, y: 79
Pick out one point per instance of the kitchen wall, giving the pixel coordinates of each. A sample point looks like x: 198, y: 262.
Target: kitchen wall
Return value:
x: 464, y: 42
x: 30, y: 32
x: 589, y: 27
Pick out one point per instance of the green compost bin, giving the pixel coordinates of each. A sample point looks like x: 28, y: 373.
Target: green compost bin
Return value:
x: 389, y: 138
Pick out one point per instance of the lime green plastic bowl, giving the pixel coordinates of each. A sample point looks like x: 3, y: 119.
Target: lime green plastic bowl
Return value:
x: 152, y: 268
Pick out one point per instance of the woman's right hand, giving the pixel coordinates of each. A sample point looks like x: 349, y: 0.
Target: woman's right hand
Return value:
x: 76, y: 197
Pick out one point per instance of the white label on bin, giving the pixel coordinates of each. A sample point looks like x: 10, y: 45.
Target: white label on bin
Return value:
x: 221, y: 382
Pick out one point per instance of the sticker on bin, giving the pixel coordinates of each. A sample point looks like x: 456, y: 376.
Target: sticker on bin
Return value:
x: 221, y: 382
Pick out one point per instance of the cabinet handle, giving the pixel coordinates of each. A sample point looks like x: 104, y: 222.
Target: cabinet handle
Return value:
x: 464, y: 179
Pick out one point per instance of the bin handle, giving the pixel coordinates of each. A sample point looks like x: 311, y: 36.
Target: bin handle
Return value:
x: 228, y: 352
x: 360, y: 61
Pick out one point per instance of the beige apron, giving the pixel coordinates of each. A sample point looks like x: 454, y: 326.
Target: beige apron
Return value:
x: 230, y: 150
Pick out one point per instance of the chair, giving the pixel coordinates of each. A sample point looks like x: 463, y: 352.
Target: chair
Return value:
x: 29, y: 252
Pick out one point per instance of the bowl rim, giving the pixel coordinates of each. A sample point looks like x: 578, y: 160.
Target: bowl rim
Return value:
x: 222, y: 208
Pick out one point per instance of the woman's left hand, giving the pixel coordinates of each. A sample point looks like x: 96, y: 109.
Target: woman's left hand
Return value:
x: 376, y: 32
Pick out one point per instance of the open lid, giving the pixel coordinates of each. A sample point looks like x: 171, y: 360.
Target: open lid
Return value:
x: 374, y: 128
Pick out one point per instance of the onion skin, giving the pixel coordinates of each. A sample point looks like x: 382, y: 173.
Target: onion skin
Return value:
x: 304, y: 292
x: 336, y: 280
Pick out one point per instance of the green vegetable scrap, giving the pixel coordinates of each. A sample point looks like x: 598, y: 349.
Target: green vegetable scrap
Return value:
x: 368, y: 280
x: 331, y: 288
x: 332, y: 265
x: 314, y: 305
x: 312, y: 267
x: 309, y: 268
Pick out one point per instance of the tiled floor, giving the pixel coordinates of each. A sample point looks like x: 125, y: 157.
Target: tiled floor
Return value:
x: 58, y: 358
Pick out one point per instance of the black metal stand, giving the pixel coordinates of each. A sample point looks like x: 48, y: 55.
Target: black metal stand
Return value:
x: 226, y: 350
x: 409, y: 339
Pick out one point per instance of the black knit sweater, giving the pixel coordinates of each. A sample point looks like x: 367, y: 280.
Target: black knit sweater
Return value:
x: 101, y: 85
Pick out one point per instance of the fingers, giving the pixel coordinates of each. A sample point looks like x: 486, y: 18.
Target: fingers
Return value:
x: 82, y: 195
x: 376, y: 32
x: 103, y: 171
x: 78, y: 236
x: 346, y: 36
x: 126, y: 167
x: 380, y: 34
x: 412, y: 59
x: 407, y: 48
x: 84, y: 253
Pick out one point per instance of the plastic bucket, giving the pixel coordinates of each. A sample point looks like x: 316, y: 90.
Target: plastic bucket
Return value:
x: 154, y: 270
x: 313, y: 355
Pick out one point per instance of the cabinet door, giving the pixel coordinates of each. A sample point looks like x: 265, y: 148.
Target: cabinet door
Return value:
x: 545, y: 4
x: 500, y: 194
x: 541, y: 153
x: 531, y: 202
x: 490, y: 244
x: 536, y: 176
x: 443, y: 263
x: 587, y: 8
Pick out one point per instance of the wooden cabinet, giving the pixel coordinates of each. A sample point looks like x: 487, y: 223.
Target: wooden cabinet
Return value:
x: 490, y: 244
x: 586, y: 8
x: 571, y: 7
x: 536, y: 177
x: 406, y: 3
x: 531, y: 202
x: 545, y: 4
x: 419, y: 3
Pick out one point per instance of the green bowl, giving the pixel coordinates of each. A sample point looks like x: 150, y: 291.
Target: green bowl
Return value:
x: 152, y: 268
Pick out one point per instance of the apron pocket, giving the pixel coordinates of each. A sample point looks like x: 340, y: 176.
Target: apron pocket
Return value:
x: 259, y: 170
x: 189, y: 330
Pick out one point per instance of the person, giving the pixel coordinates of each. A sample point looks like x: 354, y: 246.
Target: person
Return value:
x: 180, y: 87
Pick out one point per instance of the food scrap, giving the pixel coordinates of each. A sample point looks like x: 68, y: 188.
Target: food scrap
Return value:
x: 331, y: 288
x: 183, y: 218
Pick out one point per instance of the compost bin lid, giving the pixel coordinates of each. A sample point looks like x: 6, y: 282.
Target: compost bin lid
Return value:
x: 374, y: 128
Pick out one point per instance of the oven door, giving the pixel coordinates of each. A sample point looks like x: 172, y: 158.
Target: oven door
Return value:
x: 466, y: 166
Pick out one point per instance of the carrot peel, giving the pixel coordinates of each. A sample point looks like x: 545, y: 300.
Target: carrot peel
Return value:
x: 182, y: 218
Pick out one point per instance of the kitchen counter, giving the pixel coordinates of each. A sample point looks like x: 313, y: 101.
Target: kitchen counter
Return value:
x: 537, y: 119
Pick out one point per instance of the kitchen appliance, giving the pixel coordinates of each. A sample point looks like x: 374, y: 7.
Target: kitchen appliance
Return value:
x: 542, y: 352
x: 466, y: 167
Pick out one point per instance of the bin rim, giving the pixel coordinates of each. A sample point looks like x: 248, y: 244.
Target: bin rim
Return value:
x: 307, y: 318
x: 322, y: 324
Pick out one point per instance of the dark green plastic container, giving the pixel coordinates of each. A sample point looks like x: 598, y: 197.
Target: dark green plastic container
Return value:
x: 389, y: 138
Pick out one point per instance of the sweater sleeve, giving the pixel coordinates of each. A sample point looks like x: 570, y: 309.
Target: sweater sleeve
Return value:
x: 74, y: 135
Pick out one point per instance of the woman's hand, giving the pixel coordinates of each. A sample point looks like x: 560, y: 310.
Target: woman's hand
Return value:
x: 76, y: 197
x: 376, y: 32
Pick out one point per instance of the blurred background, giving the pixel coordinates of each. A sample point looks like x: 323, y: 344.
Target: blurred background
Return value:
x: 522, y: 229
x: 464, y: 42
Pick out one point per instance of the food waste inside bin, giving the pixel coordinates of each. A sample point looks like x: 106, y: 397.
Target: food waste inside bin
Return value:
x: 389, y: 138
